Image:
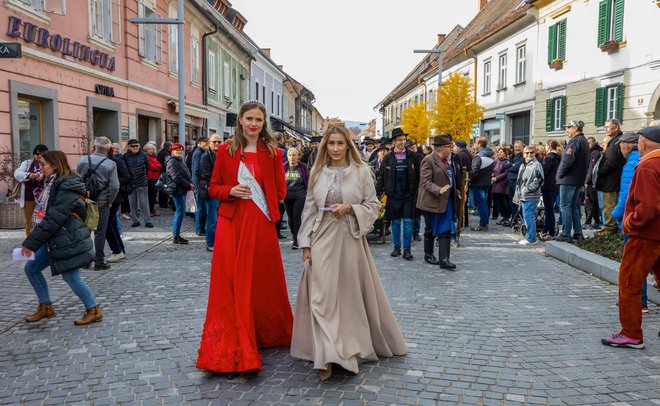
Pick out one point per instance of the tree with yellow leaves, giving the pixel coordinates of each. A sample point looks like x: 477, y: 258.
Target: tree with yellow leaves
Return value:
x: 455, y: 110
x: 416, y: 122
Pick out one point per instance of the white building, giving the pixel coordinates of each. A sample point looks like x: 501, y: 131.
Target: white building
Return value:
x: 266, y: 80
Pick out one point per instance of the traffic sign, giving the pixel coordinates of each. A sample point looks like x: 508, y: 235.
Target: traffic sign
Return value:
x: 10, y: 50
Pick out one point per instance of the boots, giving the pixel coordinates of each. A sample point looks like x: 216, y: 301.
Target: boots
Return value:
x: 429, y: 258
x: 443, y: 253
x: 92, y: 315
x: 44, y: 311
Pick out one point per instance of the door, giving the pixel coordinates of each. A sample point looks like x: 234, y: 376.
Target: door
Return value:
x: 143, y: 129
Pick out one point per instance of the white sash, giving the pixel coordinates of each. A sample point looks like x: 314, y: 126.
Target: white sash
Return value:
x: 258, y: 196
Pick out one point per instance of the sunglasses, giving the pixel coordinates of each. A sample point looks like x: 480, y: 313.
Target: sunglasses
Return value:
x: 529, y: 153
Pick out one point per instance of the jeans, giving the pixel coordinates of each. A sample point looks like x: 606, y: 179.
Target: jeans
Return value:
x: 529, y: 215
x: 200, y: 214
x: 112, y: 235
x: 570, y: 209
x: 99, y: 234
x: 139, y: 201
x: 600, y: 204
x: 407, y: 233
x: 549, y: 199
x: 33, y: 271
x: 212, y: 206
x: 179, y: 214
x: 480, y: 199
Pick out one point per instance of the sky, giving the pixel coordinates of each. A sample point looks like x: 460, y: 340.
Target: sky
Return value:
x: 350, y: 53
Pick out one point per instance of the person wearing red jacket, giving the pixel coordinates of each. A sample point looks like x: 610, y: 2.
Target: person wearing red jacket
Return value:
x: 153, y: 173
x: 641, y: 254
x: 248, y: 306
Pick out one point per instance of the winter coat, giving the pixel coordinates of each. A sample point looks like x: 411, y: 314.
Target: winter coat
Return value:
x: 138, y: 167
x: 386, y: 177
x: 194, y: 164
x: 125, y: 183
x: 162, y: 154
x: 641, y: 218
x: 626, y: 178
x: 204, y: 173
x: 66, y: 236
x: 574, y: 164
x: 501, y: 175
x: 550, y: 165
x: 595, y: 154
x: 516, y: 161
x: 434, y: 174
x: 464, y: 159
x: 178, y: 172
x: 481, y: 170
x: 530, y: 181
x: 154, y: 167
x: 609, y: 172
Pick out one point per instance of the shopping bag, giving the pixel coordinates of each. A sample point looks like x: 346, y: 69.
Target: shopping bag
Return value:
x: 191, y: 203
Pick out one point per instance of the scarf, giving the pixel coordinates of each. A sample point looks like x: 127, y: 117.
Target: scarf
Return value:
x: 41, y: 203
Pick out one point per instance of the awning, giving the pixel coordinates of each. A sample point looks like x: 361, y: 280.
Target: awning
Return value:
x: 190, y: 110
x: 279, y: 125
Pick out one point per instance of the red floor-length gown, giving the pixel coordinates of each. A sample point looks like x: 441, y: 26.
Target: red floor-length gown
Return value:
x: 248, y: 305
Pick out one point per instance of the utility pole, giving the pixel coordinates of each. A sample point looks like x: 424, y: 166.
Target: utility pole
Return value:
x: 179, y: 22
x: 433, y: 51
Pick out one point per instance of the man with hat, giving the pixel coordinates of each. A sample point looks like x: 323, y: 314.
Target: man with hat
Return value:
x: 310, y: 155
x: 641, y: 254
x: 571, y: 176
x: 377, y: 156
x: 463, y: 161
x: 398, y: 178
x: 368, y: 151
x: 608, y: 180
x: 437, y: 198
x: 137, y: 163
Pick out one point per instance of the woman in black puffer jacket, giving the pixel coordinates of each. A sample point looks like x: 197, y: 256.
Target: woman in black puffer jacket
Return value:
x: 180, y: 178
x: 59, y: 238
x: 550, y: 189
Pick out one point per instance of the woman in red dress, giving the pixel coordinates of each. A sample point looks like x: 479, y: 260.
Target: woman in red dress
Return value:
x: 248, y: 305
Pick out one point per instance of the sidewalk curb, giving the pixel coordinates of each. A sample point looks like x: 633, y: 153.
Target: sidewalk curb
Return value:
x: 600, y: 267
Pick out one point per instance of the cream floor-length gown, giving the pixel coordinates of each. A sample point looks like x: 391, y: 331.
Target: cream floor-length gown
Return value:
x: 342, y: 314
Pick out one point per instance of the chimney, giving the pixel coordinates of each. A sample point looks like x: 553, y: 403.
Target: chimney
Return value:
x: 441, y: 38
x: 266, y: 51
x: 482, y: 4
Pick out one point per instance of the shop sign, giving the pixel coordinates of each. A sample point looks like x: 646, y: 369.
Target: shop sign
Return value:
x: 10, y: 50
x: 104, y: 90
x: 499, y: 116
x: 42, y: 37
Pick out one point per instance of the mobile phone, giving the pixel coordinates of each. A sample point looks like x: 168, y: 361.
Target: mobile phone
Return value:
x: 326, y: 209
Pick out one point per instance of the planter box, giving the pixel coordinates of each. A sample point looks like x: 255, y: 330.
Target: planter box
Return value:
x: 11, y: 215
x: 556, y: 65
x: 610, y: 47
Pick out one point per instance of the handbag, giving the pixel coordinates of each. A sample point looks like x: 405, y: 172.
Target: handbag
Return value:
x: 165, y: 184
x: 191, y: 203
x: 16, y: 191
x: 92, y: 219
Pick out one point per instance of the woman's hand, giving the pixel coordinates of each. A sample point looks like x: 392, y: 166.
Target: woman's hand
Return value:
x: 307, y: 255
x: 341, y: 209
x: 26, y: 252
x: 242, y: 191
x: 444, y: 189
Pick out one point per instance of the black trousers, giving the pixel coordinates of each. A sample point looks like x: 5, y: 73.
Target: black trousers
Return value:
x: 591, y: 208
x: 99, y: 234
x: 112, y: 235
x: 501, y: 205
x: 278, y: 223
x: 429, y: 239
x: 294, y: 209
x: 152, y: 191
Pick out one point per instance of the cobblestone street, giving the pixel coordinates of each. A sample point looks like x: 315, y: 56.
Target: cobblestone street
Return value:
x: 510, y: 326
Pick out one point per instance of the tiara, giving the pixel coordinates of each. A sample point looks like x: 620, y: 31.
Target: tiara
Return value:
x: 251, y: 102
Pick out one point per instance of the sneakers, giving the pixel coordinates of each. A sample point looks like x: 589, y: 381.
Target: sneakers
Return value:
x: 125, y: 216
x: 116, y: 257
x: 525, y: 243
x: 209, y: 249
x: 480, y: 228
x: 619, y: 340
x: 645, y: 309
x: 180, y: 240
x: 563, y: 238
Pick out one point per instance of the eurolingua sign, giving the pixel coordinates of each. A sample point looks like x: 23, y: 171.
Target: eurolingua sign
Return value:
x: 40, y: 36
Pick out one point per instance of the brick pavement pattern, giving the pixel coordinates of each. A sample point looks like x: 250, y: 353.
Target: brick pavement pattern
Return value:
x: 510, y: 326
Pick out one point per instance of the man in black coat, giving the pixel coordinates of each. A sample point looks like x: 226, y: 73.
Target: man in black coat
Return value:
x: 571, y: 176
x: 204, y: 173
x: 516, y: 160
x: 163, y: 198
x: 462, y: 160
x: 591, y: 206
x: 137, y: 164
x: 398, y: 178
x: 609, y: 175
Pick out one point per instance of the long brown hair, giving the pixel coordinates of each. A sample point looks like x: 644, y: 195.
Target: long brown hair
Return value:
x: 323, y: 158
x: 554, y: 145
x: 241, y: 141
x: 57, y: 160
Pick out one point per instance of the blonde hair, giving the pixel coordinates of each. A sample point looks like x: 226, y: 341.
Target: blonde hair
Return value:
x: 323, y: 158
x: 240, y: 140
x: 293, y: 149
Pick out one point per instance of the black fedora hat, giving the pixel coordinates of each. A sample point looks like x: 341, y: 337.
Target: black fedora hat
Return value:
x: 398, y: 132
x: 440, y: 140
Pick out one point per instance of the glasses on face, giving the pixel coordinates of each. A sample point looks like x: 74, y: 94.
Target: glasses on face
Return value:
x: 134, y: 146
x: 528, y: 153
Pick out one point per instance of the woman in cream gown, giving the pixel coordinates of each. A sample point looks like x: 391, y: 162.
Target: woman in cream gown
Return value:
x: 342, y: 315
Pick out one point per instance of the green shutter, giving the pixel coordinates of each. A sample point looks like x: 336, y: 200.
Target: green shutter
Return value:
x: 552, y: 43
x: 619, y: 102
x: 618, y: 21
x: 561, y: 53
x: 601, y: 100
x: 563, y: 113
x: 603, y: 22
x: 549, y: 105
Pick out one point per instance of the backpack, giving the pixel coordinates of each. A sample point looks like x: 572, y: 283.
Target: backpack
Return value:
x: 92, y: 218
x: 92, y: 184
x: 165, y: 184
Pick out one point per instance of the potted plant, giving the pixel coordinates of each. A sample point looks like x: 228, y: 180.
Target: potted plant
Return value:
x: 556, y: 64
x: 11, y: 215
x: 610, y: 46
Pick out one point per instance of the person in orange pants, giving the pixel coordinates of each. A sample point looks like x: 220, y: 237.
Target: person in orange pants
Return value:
x: 641, y: 253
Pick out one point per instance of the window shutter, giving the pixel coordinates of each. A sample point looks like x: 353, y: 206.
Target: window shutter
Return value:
x: 603, y: 22
x: 97, y: 18
x: 552, y: 43
x: 563, y: 112
x: 115, y: 34
x: 549, y: 107
x: 561, y: 52
x: 601, y: 96
x: 618, y: 21
x: 619, y: 102
x: 159, y: 40
x: 141, y: 31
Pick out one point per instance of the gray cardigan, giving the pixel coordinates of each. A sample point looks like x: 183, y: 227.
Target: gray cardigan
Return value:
x: 530, y: 180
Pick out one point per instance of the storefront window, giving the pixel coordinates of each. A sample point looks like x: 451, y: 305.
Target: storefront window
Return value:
x: 29, y: 125
x: 492, y: 131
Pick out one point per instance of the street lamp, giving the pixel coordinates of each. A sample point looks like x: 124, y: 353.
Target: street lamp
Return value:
x: 433, y: 51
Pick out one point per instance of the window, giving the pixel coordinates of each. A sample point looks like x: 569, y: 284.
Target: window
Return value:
x: 174, y: 49
x: 234, y: 82
x: 487, y: 77
x: 106, y: 20
x: 213, y: 77
x: 279, y: 97
x: 501, y: 79
x: 555, y: 116
x: 150, y: 36
x: 194, y: 60
x: 263, y: 95
x: 30, y: 129
x: 520, y: 63
x: 609, y: 103
x: 557, y: 42
x: 610, y: 21
x: 272, y: 102
x: 225, y: 79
